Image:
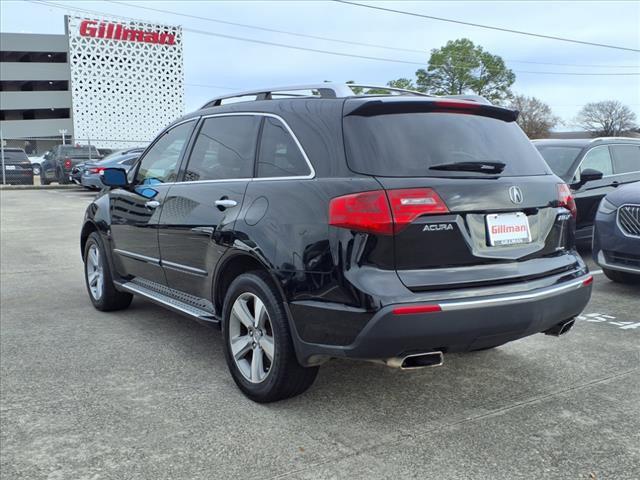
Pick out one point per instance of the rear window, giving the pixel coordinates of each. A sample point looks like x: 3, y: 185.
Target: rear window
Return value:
x: 407, y: 144
x: 559, y: 158
x: 15, y: 155
x: 79, y: 151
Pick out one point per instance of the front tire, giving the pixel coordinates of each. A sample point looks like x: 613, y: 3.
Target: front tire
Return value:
x: 258, y: 345
x: 621, y: 277
x: 98, y: 278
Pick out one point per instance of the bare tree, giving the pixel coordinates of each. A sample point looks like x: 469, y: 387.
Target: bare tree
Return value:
x: 536, y: 117
x: 608, y: 118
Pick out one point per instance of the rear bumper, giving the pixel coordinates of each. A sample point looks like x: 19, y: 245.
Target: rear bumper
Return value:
x: 91, y: 181
x: 460, y: 325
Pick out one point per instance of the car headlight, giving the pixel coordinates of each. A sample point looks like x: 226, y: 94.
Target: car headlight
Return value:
x: 606, y: 207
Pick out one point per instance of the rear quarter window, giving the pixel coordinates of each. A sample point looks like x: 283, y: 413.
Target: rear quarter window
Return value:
x: 407, y: 144
x: 626, y: 158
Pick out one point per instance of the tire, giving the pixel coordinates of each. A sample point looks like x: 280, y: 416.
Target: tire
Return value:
x: 43, y: 178
x: 100, y: 288
x: 621, y: 277
x: 62, y: 180
x: 272, y: 379
x: 36, y: 169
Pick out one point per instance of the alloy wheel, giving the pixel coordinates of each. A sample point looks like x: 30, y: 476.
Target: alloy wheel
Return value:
x: 94, y: 270
x: 251, y: 337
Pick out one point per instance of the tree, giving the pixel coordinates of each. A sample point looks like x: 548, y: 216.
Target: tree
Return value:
x: 404, y: 83
x: 608, y: 118
x: 536, y: 117
x: 462, y: 67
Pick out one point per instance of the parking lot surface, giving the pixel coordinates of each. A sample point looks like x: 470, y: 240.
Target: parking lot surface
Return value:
x: 145, y: 393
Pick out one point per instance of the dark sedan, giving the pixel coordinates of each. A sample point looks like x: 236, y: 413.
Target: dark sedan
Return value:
x: 89, y: 176
x: 616, y: 239
x: 593, y: 168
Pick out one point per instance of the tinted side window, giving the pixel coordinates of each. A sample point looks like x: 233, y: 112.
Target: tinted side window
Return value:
x: 160, y: 164
x: 626, y: 158
x: 279, y: 155
x: 225, y: 149
x: 599, y: 159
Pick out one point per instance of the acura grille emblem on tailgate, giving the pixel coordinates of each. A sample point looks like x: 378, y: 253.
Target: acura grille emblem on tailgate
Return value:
x: 515, y: 194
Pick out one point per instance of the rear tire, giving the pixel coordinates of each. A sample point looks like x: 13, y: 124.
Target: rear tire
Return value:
x: 98, y: 278
x: 254, y: 317
x: 621, y: 277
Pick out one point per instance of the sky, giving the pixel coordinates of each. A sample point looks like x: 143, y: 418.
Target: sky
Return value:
x: 215, y: 66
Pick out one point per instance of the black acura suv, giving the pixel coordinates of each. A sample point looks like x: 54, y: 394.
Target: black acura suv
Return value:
x: 311, y: 223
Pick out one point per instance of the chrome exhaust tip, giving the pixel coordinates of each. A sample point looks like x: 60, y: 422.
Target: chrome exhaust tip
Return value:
x: 415, y: 361
x: 561, y: 328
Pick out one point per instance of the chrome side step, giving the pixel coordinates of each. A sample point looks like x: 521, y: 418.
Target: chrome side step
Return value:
x: 168, y: 301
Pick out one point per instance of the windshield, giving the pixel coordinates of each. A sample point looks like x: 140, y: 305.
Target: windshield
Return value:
x: 559, y: 158
x: 408, y: 144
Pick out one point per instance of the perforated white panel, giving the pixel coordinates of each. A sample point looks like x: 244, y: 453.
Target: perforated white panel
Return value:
x: 127, y: 80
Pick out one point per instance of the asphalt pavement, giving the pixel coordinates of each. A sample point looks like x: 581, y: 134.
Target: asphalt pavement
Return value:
x: 145, y: 394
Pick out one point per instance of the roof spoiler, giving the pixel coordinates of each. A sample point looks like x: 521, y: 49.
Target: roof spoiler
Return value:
x: 383, y: 107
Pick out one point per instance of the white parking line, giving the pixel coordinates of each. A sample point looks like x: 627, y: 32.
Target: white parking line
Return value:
x: 595, y: 272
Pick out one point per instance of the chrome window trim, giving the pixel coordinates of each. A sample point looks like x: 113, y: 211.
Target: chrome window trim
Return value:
x: 618, y: 219
x: 309, y: 176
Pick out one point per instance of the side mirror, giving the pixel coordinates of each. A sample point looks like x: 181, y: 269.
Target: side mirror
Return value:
x: 114, y: 177
x: 590, y: 174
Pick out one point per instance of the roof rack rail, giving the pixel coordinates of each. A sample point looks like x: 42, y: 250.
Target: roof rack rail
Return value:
x: 599, y: 139
x: 322, y: 90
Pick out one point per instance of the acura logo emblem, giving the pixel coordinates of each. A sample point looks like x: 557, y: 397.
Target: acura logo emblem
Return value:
x: 515, y: 194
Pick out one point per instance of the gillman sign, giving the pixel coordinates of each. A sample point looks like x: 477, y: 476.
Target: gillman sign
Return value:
x: 116, y: 31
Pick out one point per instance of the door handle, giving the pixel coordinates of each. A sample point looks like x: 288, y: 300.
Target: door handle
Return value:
x: 225, y: 203
x: 151, y: 204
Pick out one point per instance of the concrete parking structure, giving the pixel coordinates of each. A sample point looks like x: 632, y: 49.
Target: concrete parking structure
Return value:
x: 145, y: 393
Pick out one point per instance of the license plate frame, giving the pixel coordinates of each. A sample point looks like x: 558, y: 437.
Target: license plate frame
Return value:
x: 507, y: 229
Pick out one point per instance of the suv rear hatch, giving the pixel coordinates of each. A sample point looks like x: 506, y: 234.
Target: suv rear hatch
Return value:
x: 473, y: 203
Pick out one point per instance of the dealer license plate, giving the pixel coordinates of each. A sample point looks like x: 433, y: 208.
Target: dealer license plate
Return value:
x: 508, y: 229
x: 10, y: 167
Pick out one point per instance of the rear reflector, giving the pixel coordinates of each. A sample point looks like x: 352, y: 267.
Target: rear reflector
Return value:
x: 588, y: 281
x: 409, y: 310
x: 384, y: 213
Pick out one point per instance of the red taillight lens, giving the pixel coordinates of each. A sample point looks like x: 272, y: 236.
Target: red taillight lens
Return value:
x: 588, y: 281
x: 96, y: 170
x: 383, y: 212
x: 365, y: 212
x: 411, y: 203
x: 67, y: 163
x: 412, y: 309
x: 565, y: 198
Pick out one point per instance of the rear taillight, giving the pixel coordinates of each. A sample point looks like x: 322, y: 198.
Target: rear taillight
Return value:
x: 67, y: 163
x: 96, y: 170
x: 364, y: 212
x: 383, y: 212
x: 409, y: 204
x: 565, y: 198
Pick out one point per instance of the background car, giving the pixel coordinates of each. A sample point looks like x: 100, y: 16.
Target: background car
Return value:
x: 616, y: 239
x: 593, y: 168
x: 36, y: 162
x: 90, y: 174
x: 17, y: 167
x: 58, y: 165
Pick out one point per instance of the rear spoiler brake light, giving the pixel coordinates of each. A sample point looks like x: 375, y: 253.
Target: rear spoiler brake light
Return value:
x: 381, y: 107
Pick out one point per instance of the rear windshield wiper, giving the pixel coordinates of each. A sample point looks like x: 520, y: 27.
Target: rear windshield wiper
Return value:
x: 481, y: 167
